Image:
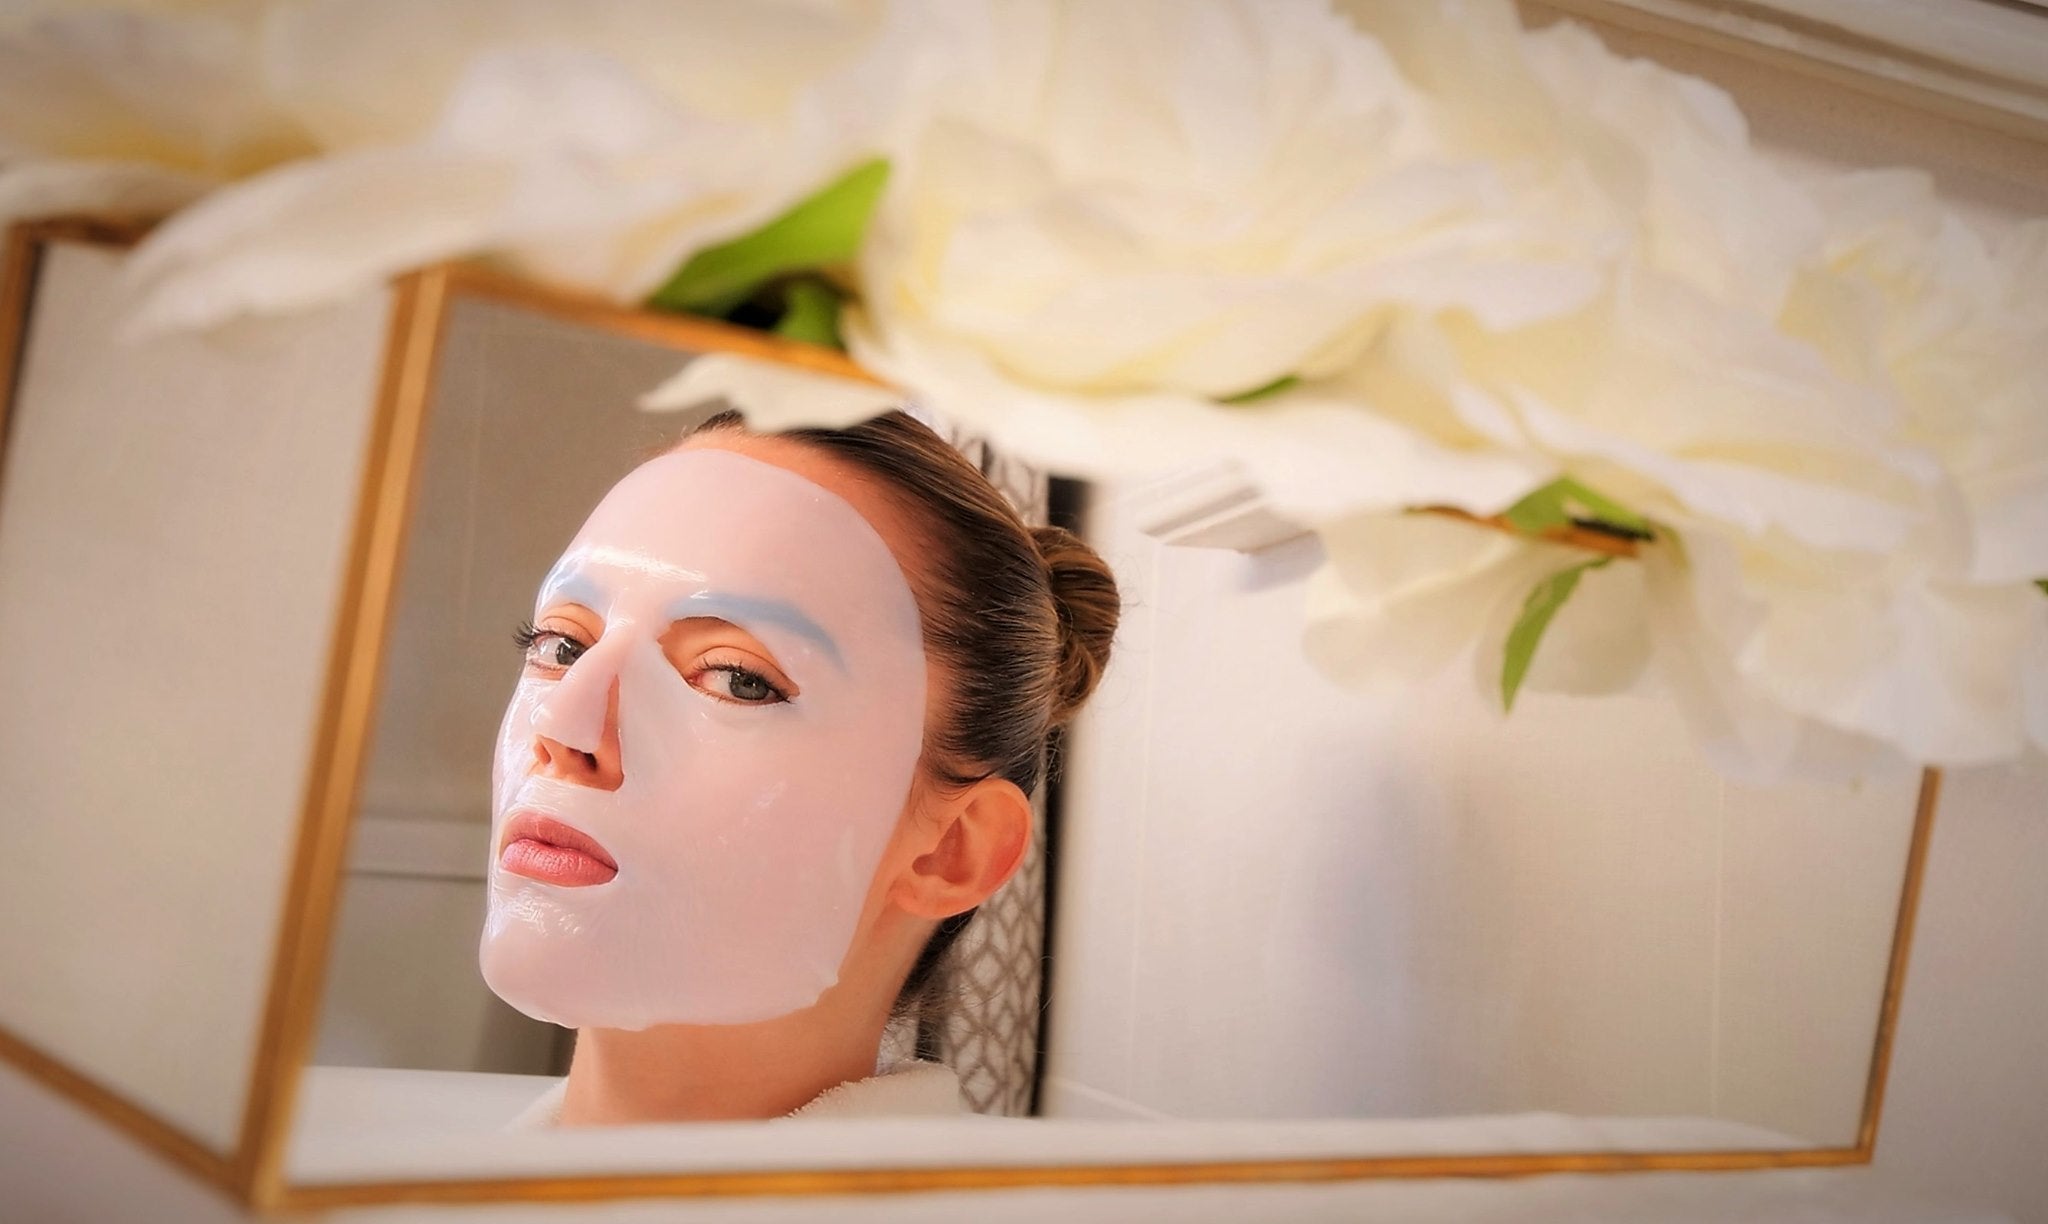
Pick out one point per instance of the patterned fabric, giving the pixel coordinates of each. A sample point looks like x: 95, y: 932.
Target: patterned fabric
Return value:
x: 994, y: 975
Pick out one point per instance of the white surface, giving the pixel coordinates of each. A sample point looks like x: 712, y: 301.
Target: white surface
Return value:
x: 173, y: 519
x: 371, y: 1124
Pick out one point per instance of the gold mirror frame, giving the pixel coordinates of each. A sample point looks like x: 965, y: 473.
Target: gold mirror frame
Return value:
x: 254, y: 1172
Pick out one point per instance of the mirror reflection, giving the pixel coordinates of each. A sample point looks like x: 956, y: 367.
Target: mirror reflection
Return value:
x: 833, y: 779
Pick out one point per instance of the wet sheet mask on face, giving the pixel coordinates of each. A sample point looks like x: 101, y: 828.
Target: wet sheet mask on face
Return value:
x: 745, y: 837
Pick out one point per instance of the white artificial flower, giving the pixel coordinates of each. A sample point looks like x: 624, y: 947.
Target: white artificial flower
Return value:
x: 1674, y: 389
x: 123, y: 110
x: 594, y: 145
x: 1699, y: 624
x: 1914, y: 303
x: 1112, y: 218
x: 1400, y: 596
x: 1933, y: 646
x: 777, y: 395
x: 1885, y: 649
x: 1830, y: 396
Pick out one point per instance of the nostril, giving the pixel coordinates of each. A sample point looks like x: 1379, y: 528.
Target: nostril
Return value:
x: 588, y: 759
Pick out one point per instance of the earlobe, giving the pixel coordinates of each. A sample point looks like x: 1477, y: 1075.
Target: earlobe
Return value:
x: 983, y: 832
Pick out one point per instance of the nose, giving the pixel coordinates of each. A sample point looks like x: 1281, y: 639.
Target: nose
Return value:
x: 598, y: 767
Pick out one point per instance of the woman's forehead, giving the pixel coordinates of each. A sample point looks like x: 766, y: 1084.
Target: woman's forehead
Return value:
x: 688, y: 508
x: 868, y: 496
x: 707, y: 531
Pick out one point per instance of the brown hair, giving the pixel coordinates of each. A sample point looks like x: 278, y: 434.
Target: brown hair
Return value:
x: 1022, y: 618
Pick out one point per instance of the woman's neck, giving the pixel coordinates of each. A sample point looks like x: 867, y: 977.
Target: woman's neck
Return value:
x: 695, y: 1073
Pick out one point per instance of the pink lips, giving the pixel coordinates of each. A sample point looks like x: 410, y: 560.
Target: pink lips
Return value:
x: 543, y: 848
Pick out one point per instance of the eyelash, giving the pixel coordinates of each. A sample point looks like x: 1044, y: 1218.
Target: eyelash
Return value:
x: 527, y: 635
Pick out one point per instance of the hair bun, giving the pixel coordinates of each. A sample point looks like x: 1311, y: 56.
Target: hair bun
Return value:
x: 1085, y: 598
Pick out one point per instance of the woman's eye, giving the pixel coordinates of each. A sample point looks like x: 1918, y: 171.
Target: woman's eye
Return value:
x: 547, y: 648
x: 731, y: 682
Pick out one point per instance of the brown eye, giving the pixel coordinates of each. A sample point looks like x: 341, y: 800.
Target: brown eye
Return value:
x: 559, y: 651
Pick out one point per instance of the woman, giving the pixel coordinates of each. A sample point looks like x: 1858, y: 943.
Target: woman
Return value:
x: 784, y: 702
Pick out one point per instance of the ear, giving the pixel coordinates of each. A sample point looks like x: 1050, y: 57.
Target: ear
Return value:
x: 973, y: 840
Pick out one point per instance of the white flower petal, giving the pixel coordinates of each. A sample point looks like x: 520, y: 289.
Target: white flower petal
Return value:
x: 773, y: 395
x: 310, y: 233
x: 1402, y: 595
x: 743, y: 60
x: 1746, y: 734
x: 1925, y: 666
x: 1315, y: 456
x: 555, y: 159
x: 597, y: 146
x: 180, y: 91
x: 56, y: 187
x: 1597, y: 643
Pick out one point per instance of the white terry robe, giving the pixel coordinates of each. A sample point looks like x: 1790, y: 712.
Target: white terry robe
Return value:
x: 906, y: 1090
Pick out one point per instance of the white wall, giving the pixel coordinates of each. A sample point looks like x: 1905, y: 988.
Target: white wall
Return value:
x: 1279, y: 899
x: 173, y: 536
x: 1967, y: 1111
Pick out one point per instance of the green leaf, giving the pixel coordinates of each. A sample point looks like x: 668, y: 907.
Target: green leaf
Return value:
x: 1538, y: 611
x: 1565, y: 501
x: 1282, y: 383
x: 811, y: 313
x: 824, y: 228
x: 1541, y: 510
x: 2043, y: 584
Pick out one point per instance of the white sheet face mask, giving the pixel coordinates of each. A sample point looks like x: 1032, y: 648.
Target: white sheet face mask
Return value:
x: 745, y: 836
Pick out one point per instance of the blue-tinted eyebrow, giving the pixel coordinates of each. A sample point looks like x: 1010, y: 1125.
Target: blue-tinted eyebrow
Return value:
x: 571, y: 587
x: 747, y: 611
x: 574, y: 586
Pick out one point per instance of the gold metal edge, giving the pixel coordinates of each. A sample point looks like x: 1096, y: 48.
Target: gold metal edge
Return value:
x: 679, y: 331
x: 354, y: 667
x: 18, y: 264
x: 894, y: 1181
x: 155, y: 1133
x: 706, y: 335
x: 1895, y: 972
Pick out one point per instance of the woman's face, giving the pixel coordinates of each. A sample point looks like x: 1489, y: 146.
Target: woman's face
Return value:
x: 715, y: 732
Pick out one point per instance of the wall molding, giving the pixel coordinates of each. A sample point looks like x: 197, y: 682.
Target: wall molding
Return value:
x: 1209, y: 507
x: 1980, y: 61
x: 415, y: 847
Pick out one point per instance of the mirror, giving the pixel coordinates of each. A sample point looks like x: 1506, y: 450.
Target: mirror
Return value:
x: 175, y: 546
x: 1286, y: 931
